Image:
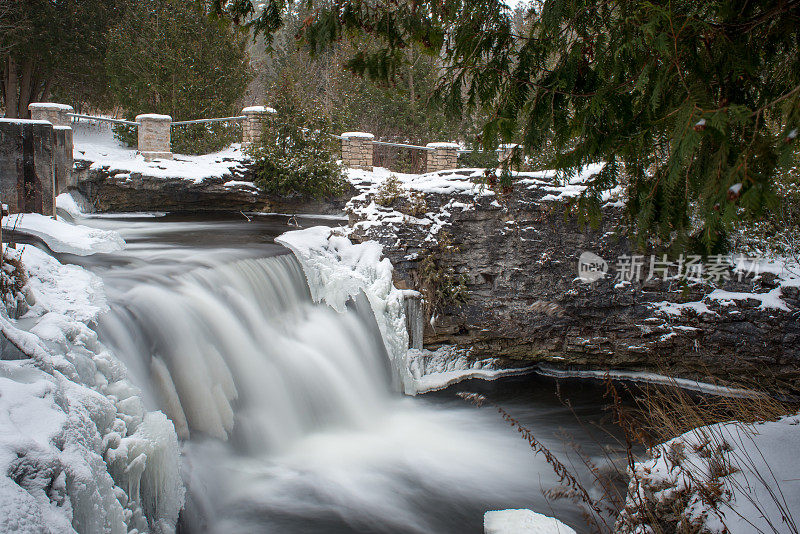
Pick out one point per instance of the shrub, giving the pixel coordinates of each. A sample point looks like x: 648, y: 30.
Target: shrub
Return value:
x: 441, y: 286
x: 297, y: 155
x: 417, y: 205
x: 389, y: 191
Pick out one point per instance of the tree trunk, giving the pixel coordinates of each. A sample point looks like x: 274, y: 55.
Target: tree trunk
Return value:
x: 12, y: 88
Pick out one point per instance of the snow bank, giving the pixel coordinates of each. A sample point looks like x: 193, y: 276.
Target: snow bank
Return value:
x: 78, y: 450
x: 731, y: 477
x: 61, y: 236
x: 522, y: 522
x: 338, y: 270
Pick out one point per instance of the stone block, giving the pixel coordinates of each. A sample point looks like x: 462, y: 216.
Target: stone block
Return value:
x: 154, y: 133
x: 442, y: 156
x: 27, y: 166
x: 254, y: 122
x: 357, y: 150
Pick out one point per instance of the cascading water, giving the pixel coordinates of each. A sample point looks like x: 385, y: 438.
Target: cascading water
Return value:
x: 286, y: 408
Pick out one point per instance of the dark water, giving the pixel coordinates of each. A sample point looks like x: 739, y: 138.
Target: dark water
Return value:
x: 432, y: 463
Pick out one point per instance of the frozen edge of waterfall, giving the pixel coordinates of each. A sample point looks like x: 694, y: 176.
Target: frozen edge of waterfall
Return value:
x: 338, y: 270
x: 79, y: 450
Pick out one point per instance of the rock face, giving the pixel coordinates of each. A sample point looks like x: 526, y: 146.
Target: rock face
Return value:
x: 109, y: 189
x: 526, y: 304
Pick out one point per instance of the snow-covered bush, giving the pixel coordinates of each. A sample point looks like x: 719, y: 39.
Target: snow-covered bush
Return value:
x: 297, y: 156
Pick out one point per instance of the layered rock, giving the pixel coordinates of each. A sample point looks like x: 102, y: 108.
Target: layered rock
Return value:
x: 519, y: 254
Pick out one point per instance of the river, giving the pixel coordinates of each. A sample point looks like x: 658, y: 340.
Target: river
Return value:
x: 288, y: 418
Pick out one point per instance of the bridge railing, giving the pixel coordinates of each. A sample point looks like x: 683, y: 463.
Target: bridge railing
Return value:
x: 358, y: 148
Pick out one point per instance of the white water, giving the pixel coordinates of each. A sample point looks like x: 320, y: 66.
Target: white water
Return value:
x: 287, y: 409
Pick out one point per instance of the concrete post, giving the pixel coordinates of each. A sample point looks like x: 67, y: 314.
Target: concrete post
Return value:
x: 154, y: 136
x: 62, y: 148
x: 48, y: 111
x: 27, y: 177
x: 253, y: 125
x: 357, y: 150
x: 443, y: 156
x: 56, y: 114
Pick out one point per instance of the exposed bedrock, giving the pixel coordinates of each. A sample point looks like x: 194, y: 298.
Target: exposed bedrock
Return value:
x: 107, y: 189
x: 526, y: 304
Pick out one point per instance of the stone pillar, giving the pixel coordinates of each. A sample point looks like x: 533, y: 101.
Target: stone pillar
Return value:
x: 442, y: 156
x: 27, y: 177
x: 507, y: 152
x: 62, y: 148
x: 56, y: 114
x: 154, y: 136
x: 357, y: 150
x: 253, y: 125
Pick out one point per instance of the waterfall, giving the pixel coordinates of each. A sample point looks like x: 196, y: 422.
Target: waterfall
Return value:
x: 239, y: 352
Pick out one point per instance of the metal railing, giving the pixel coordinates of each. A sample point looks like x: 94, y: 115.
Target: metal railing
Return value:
x: 101, y: 119
x: 205, y: 121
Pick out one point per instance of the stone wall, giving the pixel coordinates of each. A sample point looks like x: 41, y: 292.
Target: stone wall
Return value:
x: 526, y: 305
x: 357, y: 150
x: 55, y: 114
x: 27, y: 176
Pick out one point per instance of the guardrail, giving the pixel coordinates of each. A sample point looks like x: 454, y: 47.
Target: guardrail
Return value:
x: 154, y: 137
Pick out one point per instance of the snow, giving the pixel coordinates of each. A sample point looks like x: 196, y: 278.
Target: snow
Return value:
x: 359, y: 135
x: 769, y: 300
x: 65, y: 237
x: 50, y: 105
x: 752, y: 466
x: 649, y: 378
x: 96, y: 143
x: 522, y: 522
x: 78, y: 449
x: 337, y: 270
x: 443, y: 145
x: 153, y: 117
x: 258, y: 109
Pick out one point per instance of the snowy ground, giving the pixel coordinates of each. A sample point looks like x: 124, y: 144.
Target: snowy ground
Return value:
x: 727, y: 478
x: 77, y: 447
x: 96, y: 143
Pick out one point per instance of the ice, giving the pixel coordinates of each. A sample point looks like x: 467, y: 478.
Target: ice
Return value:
x: 522, y: 522
x: 66, y: 409
x: 337, y: 271
x: 61, y: 236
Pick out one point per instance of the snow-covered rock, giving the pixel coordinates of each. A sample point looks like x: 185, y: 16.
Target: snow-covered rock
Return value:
x: 78, y: 449
x: 522, y: 522
x: 61, y: 236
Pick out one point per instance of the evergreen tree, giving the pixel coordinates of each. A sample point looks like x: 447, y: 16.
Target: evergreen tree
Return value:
x: 169, y: 57
x: 693, y: 105
x: 53, y: 47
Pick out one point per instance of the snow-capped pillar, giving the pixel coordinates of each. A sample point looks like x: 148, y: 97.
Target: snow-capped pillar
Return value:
x: 155, y: 136
x: 27, y: 177
x: 253, y: 125
x: 357, y: 150
x: 442, y: 156
x: 56, y: 114
x: 507, y: 152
